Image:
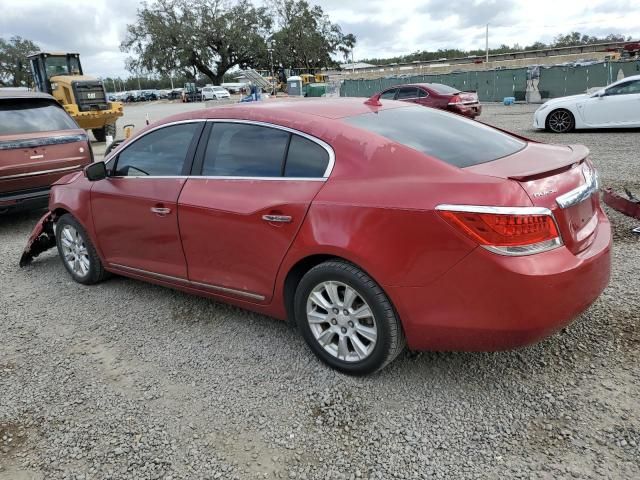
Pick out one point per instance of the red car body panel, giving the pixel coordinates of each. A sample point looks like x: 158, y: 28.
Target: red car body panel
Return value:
x: 233, y: 213
x: 377, y: 209
x: 128, y: 231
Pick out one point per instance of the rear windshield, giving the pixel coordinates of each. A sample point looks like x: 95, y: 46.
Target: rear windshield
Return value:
x: 443, y: 89
x: 31, y: 116
x: 446, y: 136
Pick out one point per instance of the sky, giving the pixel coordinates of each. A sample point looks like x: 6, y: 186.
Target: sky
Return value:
x: 383, y: 28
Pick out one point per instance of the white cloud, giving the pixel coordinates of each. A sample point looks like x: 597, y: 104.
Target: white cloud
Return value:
x: 384, y: 27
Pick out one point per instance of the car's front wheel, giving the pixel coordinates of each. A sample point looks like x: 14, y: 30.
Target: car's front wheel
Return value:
x: 560, y: 121
x: 78, y: 254
x: 346, y: 318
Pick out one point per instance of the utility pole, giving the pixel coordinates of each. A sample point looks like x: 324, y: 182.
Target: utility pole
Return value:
x: 353, y: 63
x: 487, y: 46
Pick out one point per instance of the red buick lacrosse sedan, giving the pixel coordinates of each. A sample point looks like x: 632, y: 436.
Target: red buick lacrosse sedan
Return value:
x: 369, y: 225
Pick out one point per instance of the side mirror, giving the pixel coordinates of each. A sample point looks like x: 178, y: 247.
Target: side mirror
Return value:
x: 96, y: 171
x: 600, y: 93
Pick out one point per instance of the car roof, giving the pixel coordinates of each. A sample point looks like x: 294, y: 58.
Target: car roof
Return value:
x: 9, y: 93
x: 423, y: 84
x: 286, y: 111
x: 625, y: 79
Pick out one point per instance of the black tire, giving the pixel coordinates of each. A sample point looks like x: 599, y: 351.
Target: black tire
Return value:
x: 390, y: 339
x: 95, y: 272
x: 100, y: 134
x: 560, y: 121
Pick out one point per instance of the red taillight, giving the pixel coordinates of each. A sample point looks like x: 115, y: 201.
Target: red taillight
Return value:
x: 511, y: 231
x: 455, y: 99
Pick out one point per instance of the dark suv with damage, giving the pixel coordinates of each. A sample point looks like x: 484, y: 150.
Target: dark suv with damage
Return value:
x: 39, y: 143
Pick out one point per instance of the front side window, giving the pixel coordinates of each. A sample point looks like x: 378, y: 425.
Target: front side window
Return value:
x: 243, y: 150
x: 160, y: 153
x: 627, y: 88
x: 31, y: 116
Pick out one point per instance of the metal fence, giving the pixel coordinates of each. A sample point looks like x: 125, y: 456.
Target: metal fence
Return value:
x: 572, y: 80
x: 492, y: 85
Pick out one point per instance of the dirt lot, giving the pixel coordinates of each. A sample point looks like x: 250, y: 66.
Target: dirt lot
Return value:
x: 129, y: 380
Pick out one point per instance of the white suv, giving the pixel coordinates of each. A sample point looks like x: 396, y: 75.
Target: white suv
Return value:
x: 215, y: 93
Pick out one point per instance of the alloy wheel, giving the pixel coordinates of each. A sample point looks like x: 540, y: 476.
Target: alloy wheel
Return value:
x: 341, y: 321
x: 74, y: 251
x: 560, y: 121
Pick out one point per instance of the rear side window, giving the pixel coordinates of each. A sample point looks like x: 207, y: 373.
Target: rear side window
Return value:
x: 305, y: 159
x: 445, y: 136
x: 407, y: 92
x: 32, y: 116
x: 242, y: 150
x: 158, y: 153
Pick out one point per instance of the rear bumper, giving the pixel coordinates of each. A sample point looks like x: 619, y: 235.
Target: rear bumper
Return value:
x: 489, y: 302
x: 27, y: 200
x: 471, y: 111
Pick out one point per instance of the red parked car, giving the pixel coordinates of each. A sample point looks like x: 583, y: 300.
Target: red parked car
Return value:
x: 39, y: 143
x: 367, y: 225
x: 435, y: 95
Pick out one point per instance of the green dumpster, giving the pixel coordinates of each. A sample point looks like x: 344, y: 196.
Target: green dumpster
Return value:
x: 316, y: 89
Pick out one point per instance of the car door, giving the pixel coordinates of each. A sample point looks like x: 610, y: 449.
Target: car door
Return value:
x: 424, y: 98
x: 135, y: 207
x: 239, y: 217
x: 408, y: 94
x: 619, y: 106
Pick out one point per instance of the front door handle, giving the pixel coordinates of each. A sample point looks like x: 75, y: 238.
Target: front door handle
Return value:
x: 162, y: 211
x: 277, y: 218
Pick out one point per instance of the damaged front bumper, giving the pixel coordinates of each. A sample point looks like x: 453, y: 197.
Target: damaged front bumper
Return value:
x: 629, y: 206
x: 42, y: 238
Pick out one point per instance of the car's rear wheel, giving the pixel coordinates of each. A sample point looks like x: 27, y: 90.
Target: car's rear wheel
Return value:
x: 346, y: 318
x: 560, y: 121
x: 78, y: 254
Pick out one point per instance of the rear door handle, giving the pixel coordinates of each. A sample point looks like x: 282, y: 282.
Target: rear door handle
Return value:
x: 162, y: 211
x: 277, y: 218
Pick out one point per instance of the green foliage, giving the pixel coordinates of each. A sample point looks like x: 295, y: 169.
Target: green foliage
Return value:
x: 210, y: 37
x: 14, y: 66
x: 307, y: 38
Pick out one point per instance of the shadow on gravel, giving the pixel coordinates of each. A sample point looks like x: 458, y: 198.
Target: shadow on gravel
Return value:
x: 12, y: 220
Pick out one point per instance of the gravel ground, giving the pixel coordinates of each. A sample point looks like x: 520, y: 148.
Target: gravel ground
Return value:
x: 126, y: 380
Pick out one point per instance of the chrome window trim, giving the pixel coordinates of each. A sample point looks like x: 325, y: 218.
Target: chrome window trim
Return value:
x: 40, y: 172
x: 317, y: 141
x: 582, y: 192
x: 117, y: 151
x: 184, y: 281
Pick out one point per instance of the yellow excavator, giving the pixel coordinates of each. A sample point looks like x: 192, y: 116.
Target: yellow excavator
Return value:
x: 83, y: 97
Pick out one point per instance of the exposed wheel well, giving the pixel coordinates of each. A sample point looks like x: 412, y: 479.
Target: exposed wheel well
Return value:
x: 295, y: 275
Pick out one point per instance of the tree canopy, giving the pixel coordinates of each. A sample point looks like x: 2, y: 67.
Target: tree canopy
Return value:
x: 14, y: 67
x: 210, y: 37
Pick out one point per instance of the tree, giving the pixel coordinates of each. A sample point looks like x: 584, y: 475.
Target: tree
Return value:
x: 187, y: 37
x: 14, y: 67
x: 307, y: 38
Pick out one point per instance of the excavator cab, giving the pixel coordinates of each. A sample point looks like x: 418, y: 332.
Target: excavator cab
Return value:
x: 83, y: 97
x: 44, y: 66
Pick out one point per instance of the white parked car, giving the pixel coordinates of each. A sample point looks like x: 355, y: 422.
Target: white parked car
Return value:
x: 215, y: 93
x: 616, y: 106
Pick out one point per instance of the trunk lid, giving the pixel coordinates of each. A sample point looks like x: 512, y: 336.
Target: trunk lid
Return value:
x: 559, y: 178
x: 31, y: 161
